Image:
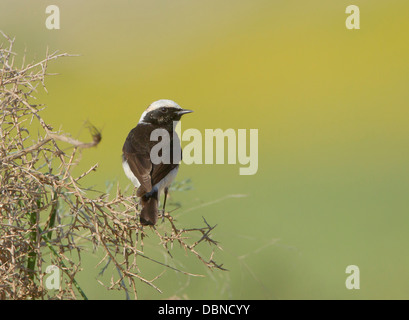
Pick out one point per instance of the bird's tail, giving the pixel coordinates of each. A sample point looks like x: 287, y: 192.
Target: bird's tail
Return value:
x: 149, y: 212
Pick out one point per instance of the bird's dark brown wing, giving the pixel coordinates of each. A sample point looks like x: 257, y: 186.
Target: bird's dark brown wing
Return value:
x: 136, y: 151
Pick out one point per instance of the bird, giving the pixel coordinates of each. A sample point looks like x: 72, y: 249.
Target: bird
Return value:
x: 146, y: 174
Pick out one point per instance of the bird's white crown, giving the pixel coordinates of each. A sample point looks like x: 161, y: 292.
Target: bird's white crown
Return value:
x: 163, y: 103
x: 159, y: 104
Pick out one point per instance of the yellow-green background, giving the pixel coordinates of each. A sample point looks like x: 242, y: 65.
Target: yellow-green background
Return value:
x: 330, y: 104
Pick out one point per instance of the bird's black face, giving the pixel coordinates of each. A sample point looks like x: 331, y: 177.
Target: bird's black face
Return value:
x: 165, y: 116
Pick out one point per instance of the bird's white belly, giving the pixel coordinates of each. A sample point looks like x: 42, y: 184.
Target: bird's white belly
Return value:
x: 129, y: 174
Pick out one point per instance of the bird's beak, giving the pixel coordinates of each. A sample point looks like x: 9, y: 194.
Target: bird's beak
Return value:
x: 184, y: 111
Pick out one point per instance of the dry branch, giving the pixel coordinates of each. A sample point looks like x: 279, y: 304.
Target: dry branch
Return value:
x: 46, y: 217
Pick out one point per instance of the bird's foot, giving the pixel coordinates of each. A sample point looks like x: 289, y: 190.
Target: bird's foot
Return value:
x: 163, y: 213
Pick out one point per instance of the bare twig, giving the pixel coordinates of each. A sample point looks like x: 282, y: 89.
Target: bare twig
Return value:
x: 45, y: 212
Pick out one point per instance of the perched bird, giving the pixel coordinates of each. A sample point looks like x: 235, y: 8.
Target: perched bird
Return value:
x: 152, y: 178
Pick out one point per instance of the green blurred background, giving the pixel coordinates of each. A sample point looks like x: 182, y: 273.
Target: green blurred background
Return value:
x: 331, y: 106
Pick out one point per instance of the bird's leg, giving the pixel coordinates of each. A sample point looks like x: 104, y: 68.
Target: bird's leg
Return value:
x: 164, y: 203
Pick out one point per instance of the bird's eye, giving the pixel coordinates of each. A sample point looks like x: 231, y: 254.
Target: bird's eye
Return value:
x: 163, y: 110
